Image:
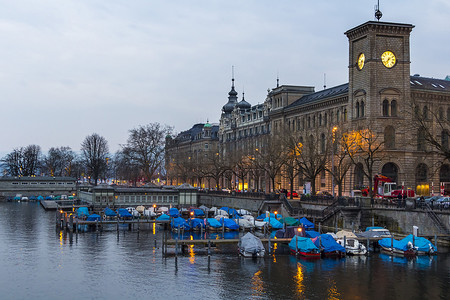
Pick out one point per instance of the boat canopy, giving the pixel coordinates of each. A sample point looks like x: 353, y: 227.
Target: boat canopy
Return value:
x: 420, y: 243
x: 274, y: 223
x: 180, y: 223
x: 289, y: 221
x: 40, y: 197
x: 174, y: 212
x: 306, y: 223
x: 251, y: 243
x: 82, y: 212
x: 327, y: 243
x: 311, y: 233
x: 348, y: 234
x: 231, y: 212
x: 211, y: 222
x: 272, y: 215
x: 198, y: 212
x: 400, y: 245
x: 289, y: 232
x: 194, y: 222
x: 94, y: 217
x: 304, y: 244
x: 124, y: 213
x: 163, y: 217
x: 109, y: 212
x: 229, y: 223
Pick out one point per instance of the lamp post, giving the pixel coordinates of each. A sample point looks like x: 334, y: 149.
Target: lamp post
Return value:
x: 332, y: 159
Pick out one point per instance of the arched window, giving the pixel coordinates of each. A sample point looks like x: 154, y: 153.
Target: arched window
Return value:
x: 359, y: 175
x: 444, y: 139
x: 362, y: 108
x: 345, y: 115
x: 425, y: 112
x: 322, y: 143
x: 385, y: 108
x: 421, y: 173
x: 320, y: 119
x: 357, y: 109
x: 325, y: 121
x: 390, y: 170
x: 444, y: 173
x: 394, y: 108
x: 338, y: 116
x: 389, y: 137
x: 421, y: 139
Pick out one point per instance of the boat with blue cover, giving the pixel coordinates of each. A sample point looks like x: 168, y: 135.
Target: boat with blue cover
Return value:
x: 174, y: 212
x: 395, y: 247
x: 180, y: 224
x: 124, y: 213
x: 273, y: 223
x: 304, y: 246
x: 213, y: 224
x: 421, y: 244
x: 197, y: 224
x: 229, y: 224
x: 328, y: 246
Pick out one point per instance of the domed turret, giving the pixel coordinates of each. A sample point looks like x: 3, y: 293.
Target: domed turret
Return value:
x: 243, y: 104
x: 232, y: 99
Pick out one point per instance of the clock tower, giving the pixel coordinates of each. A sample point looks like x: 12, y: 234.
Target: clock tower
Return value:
x: 379, y: 70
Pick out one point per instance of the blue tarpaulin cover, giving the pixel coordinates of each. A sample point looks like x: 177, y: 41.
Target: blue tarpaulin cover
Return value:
x: 229, y: 223
x: 174, y: 212
x: 274, y: 223
x: 109, y: 212
x: 328, y: 243
x: 272, y: 215
x: 304, y: 244
x: 211, y: 222
x: 180, y: 223
x: 197, y: 223
x: 123, y: 213
x: 311, y: 233
x: 94, y: 217
x: 82, y: 212
x: 400, y: 245
x: 199, y: 212
x: 231, y: 212
x: 421, y: 243
x: 163, y: 217
x: 306, y: 223
x: 40, y: 197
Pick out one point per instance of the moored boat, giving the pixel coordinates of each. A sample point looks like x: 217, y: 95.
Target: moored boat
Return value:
x: 349, y: 241
x: 251, y: 246
x: 304, y: 246
x: 328, y: 246
x: 395, y: 247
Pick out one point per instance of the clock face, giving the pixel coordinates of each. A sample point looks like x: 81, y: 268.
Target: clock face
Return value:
x: 361, y: 59
x: 388, y: 59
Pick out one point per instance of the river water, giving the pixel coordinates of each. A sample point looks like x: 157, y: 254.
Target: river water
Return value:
x: 38, y: 261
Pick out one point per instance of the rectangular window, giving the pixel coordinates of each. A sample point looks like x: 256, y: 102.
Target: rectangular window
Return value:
x: 43, y: 183
x: 33, y: 183
x: 15, y: 183
x: 24, y: 182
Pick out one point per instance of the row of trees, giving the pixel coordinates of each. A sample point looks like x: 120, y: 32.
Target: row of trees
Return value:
x: 142, y: 156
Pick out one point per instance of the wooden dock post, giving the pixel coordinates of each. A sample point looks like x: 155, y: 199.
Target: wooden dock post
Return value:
x: 435, y: 241
x: 71, y: 223
x: 269, y: 248
x: 345, y: 242
x: 296, y: 245
x: 209, y: 247
x: 368, y: 244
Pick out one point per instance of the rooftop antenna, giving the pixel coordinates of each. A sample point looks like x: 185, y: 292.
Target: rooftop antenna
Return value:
x: 278, y: 80
x: 324, y: 80
x: 378, y: 13
x: 232, y: 76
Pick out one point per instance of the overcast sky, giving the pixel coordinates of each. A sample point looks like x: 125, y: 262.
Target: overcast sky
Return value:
x: 72, y: 68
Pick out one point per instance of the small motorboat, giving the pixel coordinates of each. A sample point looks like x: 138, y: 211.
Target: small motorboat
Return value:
x: 304, y: 246
x: 395, y: 247
x: 251, y: 246
x: 349, y: 241
x: 328, y: 246
x: 421, y: 244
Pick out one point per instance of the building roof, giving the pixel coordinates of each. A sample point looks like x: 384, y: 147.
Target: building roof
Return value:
x: 340, y: 90
x: 36, y: 178
x: 429, y: 84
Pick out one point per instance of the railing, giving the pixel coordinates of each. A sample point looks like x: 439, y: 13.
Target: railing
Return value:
x: 437, y: 222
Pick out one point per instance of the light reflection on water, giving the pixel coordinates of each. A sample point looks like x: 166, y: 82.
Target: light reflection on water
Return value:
x: 41, y: 262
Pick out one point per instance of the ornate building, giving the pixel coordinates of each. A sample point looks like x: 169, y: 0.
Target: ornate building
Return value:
x: 381, y: 97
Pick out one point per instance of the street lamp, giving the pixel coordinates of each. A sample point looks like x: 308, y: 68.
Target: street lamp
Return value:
x: 332, y: 158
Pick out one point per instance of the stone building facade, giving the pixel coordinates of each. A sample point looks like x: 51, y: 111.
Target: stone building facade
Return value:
x: 380, y: 96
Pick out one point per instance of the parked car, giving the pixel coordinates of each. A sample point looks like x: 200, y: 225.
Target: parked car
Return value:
x: 443, y: 202
x: 294, y: 194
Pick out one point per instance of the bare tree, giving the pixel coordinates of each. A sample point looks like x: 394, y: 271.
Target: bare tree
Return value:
x: 24, y: 161
x: 125, y: 169
x: 145, y: 147
x: 95, y: 153
x: 339, y: 163
x: 58, y: 161
x: 366, y: 147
